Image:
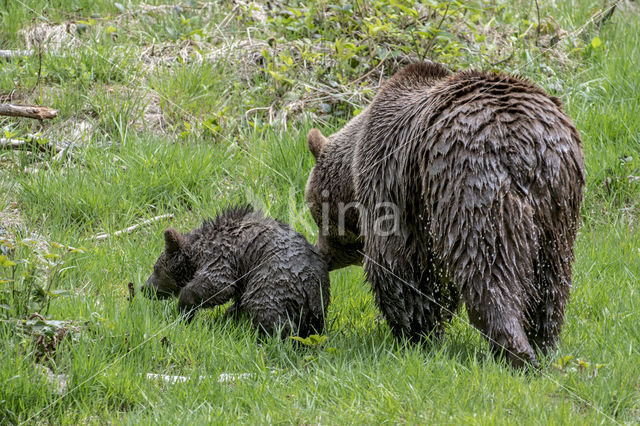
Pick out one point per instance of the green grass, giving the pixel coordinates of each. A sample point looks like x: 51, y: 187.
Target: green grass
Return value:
x: 232, y: 128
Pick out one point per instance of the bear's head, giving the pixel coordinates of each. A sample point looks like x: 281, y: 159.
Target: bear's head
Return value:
x: 330, y: 196
x: 173, y: 269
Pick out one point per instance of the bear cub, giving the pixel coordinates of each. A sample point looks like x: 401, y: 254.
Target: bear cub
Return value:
x: 270, y: 271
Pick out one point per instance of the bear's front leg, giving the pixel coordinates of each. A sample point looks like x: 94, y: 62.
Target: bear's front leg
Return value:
x: 206, y: 289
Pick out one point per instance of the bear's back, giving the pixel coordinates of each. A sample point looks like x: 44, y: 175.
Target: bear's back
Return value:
x: 280, y: 266
x: 440, y: 127
x: 486, y: 123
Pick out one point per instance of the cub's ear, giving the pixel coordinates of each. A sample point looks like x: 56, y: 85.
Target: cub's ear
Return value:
x: 173, y: 241
x: 316, y: 142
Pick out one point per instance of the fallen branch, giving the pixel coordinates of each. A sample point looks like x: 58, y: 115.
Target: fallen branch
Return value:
x: 222, y: 378
x: 29, y: 143
x: 130, y: 229
x: 39, y: 112
x: 10, y: 54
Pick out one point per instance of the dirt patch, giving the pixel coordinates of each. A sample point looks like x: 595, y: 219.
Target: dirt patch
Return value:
x: 78, y: 130
x: 57, y: 382
x: 73, y: 131
x: 12, y: 226
x: 10, y: 218
x: 153, y: 119
x: 54, y: 38
x: 11, y: 222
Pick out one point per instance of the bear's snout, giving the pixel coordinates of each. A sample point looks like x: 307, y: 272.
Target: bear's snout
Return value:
x: 152, y: 291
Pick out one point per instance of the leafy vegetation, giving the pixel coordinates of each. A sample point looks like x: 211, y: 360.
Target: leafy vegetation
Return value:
x: 184, y: 107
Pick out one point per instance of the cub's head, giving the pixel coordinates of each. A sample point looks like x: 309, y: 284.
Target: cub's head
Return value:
x: 173, y: 269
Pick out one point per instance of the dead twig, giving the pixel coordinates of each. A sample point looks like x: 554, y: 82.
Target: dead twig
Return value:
x: 132, y: 291
x: 368, y: 73
x: 538, y: 28
x: 8, y: 144
x: 8, y: 97
x: 39, y: 68
x: 606, y: 16
x: 132, y: 228
x: 433, y: 39
x: 598, y: 19
x: 38, y: 112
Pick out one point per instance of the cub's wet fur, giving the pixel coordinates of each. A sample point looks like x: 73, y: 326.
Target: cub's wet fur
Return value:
x: 270, y: 272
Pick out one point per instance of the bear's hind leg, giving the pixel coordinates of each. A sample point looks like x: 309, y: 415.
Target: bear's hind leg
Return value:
x: 501, y: 326
x: 493, y: 267
x: 443, y: 298
x: 553, y: 282
x: 268, y: 322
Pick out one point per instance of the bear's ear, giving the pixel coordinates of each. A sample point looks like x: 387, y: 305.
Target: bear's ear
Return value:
x: 173, y: 241
x: 316, y: 142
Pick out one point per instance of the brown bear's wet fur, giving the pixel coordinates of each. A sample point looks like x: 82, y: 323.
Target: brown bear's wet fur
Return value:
x: 487, y: 174
x: 270, y: 271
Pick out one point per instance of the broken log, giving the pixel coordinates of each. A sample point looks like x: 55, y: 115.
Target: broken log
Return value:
x: 39, y: 112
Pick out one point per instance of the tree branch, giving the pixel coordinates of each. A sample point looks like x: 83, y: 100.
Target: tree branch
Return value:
x: 130, y: 229
x: 39, y: 112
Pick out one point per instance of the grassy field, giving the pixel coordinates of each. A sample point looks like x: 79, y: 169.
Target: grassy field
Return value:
x: 186, y: 107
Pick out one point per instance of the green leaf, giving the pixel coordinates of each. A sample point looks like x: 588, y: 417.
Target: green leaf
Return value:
x: 305, y: 341
x: 5, y: 262
x: 317, y: 340
x: 596, y: 42
x: 583, y: 364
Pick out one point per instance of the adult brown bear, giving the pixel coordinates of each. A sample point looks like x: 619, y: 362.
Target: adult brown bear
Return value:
x: 456, y: 186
